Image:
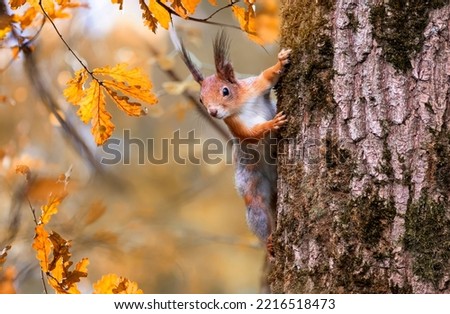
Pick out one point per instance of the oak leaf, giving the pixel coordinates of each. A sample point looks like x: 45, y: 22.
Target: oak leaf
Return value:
x: 154, y: 13
x: 93, y: 108
x: 51, y: 208
x: 42, y: 245
x: 113, y: 284
x: 75, y: 91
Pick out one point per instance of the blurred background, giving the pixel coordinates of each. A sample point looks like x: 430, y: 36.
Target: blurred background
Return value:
x: 171, y: 228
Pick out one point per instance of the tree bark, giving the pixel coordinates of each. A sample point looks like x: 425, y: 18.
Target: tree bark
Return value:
x: 364, y: 161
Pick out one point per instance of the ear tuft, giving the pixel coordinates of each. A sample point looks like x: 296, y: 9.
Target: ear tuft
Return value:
x: 195, y: 71
x: 224, y: 68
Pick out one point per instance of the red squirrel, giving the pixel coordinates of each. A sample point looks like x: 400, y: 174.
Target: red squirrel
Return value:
x: 250, y: 115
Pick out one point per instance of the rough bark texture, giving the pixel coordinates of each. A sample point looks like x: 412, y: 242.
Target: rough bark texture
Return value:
x: 364, y: 166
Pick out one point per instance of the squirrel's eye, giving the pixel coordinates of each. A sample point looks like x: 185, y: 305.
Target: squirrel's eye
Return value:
x: 225, y: 91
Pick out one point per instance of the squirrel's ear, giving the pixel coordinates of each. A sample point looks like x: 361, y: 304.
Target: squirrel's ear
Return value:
x: 224, y: 68
x: 195, y: 71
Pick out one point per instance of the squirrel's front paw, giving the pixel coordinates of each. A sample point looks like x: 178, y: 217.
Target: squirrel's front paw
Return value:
x: 283, y: 56
x: 278, y: 120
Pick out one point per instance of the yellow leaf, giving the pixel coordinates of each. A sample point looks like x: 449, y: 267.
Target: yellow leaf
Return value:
x: 51, y: 208
x: 120, y: 2
x: 113, y: 284
x: 42, y: 245
x: 136, y: 91
x: 4, y: 31
x: 102, y: 127
x: 15, y: 4
x: 93, y: 108
x: 160, y: 14
x: 89, y: 102
x: 191, y: 5
x: 124, y: 103
x: 74, y: 90
x: 120, y: 73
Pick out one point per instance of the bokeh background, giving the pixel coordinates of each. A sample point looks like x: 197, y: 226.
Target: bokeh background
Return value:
x: 171, y: 228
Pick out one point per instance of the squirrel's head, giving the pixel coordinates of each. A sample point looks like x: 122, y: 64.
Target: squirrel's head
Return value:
x: 219, y: 92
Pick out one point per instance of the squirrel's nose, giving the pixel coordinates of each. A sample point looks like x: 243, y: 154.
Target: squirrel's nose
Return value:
x: 212, y: 112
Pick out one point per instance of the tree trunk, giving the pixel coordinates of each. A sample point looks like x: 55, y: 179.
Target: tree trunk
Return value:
x: 364, y: 162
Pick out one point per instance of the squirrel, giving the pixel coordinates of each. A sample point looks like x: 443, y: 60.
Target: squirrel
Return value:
x: 246, y: 108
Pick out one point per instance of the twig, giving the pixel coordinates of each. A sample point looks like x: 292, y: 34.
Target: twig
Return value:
x: 33, y: 212
x: 191, y: 18
x: 222, y: 8
x: 65, y: 42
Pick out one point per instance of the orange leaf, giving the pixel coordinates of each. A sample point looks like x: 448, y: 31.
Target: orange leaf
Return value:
x: 15, y: 4
x: 42, y: 245
x: 74, y: 90
x: 51, y: 208
x: 246, y: 19
x: 213, y: 2
x: 191, y: 5
x: 160, y: 14
x: 113, y: 284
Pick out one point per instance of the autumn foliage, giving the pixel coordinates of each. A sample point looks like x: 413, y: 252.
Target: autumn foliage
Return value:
x: 94, y: 92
